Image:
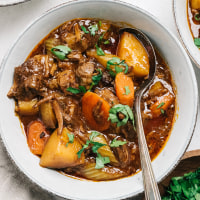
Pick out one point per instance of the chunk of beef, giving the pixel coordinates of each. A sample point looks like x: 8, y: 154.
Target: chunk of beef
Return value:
x: 84, y: 72
x: 28, y: 78
x: 107, y: 95
x: 67, y: 79
x: 123, y: 154
x: 75, y: 38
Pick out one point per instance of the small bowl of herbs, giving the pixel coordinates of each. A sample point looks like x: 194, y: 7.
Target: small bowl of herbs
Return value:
x: 184, y: 182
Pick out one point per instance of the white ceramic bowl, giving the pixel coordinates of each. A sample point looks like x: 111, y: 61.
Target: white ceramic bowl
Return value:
x: 182, y: 73
x: 11, y: 2
x: 180, y: 15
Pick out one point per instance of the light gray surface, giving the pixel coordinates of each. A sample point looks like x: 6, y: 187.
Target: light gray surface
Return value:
x: 13, y: 20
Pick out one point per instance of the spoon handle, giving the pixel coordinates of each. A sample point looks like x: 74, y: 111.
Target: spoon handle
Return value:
x: 150, y: 185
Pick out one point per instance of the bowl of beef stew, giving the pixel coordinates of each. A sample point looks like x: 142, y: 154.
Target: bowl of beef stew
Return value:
x: 186, y: 14
x: 69, y: 87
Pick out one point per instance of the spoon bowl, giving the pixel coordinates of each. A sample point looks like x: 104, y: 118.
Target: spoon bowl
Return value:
x: 150, y: 185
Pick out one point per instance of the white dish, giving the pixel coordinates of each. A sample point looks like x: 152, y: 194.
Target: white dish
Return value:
x: 180, y: 15
x: 11, y: 2
x: 182, y: 73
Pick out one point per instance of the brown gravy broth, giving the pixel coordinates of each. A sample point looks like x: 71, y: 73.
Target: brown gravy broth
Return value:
x: 157, y: 129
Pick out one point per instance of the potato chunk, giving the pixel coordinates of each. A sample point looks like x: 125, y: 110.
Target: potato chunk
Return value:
x: 47, y: 114
x: 101, y: 59
x: 132, y: 51
x: 195, y: 4
x: 57, y: 154
x: 27, y: 107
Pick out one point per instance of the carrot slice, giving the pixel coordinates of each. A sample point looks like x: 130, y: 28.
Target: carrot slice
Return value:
x: 161, y: 104
x: 124, y: 87
x: 37, y: 137
x: 96, y: 111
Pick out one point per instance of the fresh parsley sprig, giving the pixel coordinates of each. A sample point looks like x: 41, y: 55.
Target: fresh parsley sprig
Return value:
x: 125, y: 110
x: 61, y: 51
x: 127, y: 90
x: 100, y: 160
x: 197, y: 42
x: 81, y: 89
x: 71, y: 138
x: 184, y: 187
x: 100, y: 52
x: 114, y: 66
x: 93, y: 28
x: 96, y: 79
x: 117, y: 143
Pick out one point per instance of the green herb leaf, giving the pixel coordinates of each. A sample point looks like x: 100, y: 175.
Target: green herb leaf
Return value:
x: 101, y: 161
x: 96, y: 78
x: 61, y: 51
x: 94, y: 134
x: 107, y: 42
x: 101, y: 36
x: 125, y: 110
x: 185, y: 187
x: 117, y: 143
x: 116, y: 62
x: 100, y: 52
x: 162, y: 111
x: 81, y: 89
x: 71, y: 138
x: 197, y: 17
x: 93, y: 29
x: 127, y: 90
x: 100, y: 23
x: 197, y: 42
x: 84, y: 147
x: 118, y: 69
x: 84, y: 29
x: 96, y: 146
x: 160, y: 105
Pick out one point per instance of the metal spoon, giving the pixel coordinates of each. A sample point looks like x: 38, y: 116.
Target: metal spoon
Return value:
x: 150, y: 185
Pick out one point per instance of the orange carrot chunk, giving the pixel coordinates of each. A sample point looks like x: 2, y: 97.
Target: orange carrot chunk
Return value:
x: 161, y: 105
x: 37, y: 137
x: 124, y: 87
x: 96, y: 111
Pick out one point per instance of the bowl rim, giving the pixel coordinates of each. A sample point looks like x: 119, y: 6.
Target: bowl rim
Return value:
x: 14, y: 2
x: 129, y: 5
x: 180, y: 36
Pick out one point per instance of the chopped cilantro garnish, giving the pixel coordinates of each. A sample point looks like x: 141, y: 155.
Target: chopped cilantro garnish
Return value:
x: 162, y: 111
x: 197, y: 42
x: 160, y: 105
x: 96, y: 79
x: 94, y: 134
x: 84, y: 29
x: 125, y: 110
x: 100, y: 52
x: 114, y: 65
x: 197, y: 17
x: 100, y: 23
x: 127, y: 90
x: 184, y: 187
x: 107, y: 42
x: 117, y: 143
x: 93, y: 29
x: 71, y: 138
x: 61, y: 51
x: 81, y: 89
x: 100, y: 161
